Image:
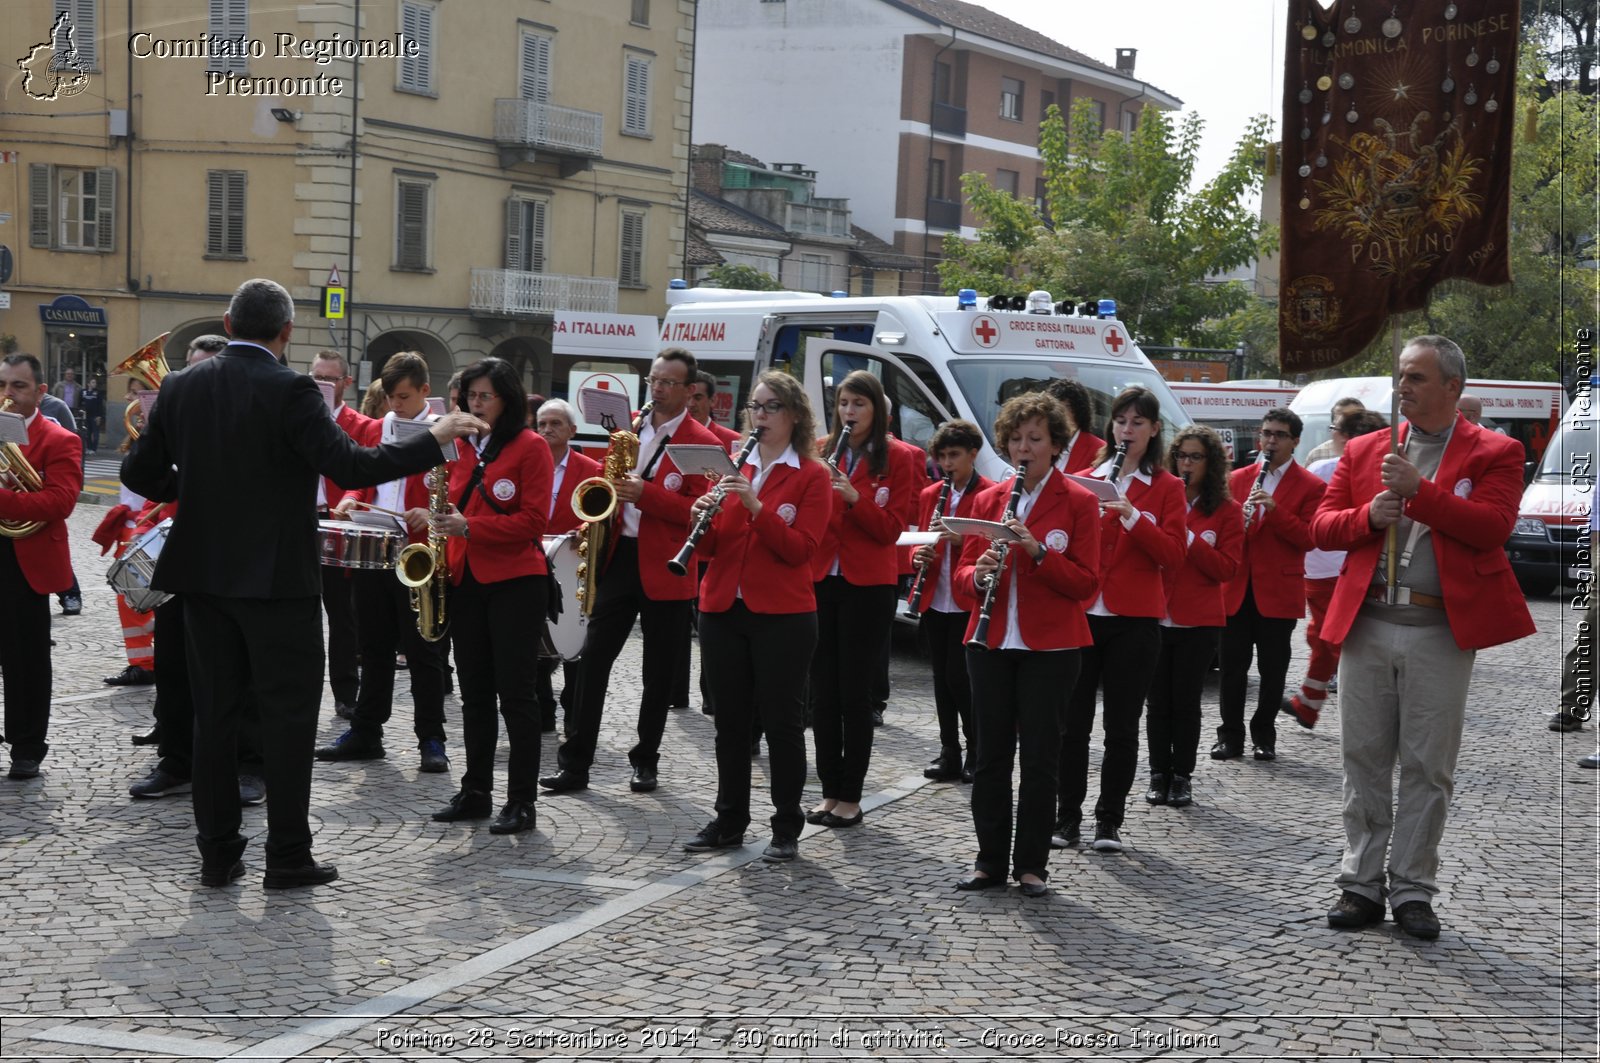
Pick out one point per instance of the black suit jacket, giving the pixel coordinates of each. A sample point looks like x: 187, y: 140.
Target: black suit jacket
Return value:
x: 248, y: 437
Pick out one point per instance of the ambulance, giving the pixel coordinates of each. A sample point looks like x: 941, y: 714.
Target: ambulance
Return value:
x: 1233, y: 409
x: 1551, y: 544
x: 939, y: 357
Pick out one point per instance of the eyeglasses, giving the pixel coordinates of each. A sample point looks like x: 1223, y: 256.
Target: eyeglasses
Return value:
x: 482, y: 396
x: 1185, y: 455
x: 334, y: 380
x: 1267, y: 433
x: 772, y: 407
x: 663, y: 382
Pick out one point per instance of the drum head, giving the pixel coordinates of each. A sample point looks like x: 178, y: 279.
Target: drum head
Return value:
x: 567, y: 632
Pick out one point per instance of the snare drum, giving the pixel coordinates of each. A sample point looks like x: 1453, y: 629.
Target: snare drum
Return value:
x: 564, y: 636
x: 129, y: 575
x: 345, y: 544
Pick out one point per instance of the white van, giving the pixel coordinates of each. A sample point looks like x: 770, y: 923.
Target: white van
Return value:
x: 1550, y: 543
x: 939, y: 357
x: 1234, y: 408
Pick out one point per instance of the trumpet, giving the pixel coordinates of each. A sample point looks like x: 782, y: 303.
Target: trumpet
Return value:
x: 15, y: 469
x: 922, y: 570
x: 679, y: 566
x: 150, y: 366
x: 1261, y: 478
x: 980, y: 633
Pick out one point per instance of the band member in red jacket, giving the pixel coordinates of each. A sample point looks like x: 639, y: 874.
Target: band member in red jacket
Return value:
x: 500, y: 492
x: 384, y: 617
x: 702, y: 390
x: 1032, y: 648
x: 1142, y: 536
x: 34, y: 566
x: 1083, y: 444
x: 557, y: 422
x: 1451, y: 494
x: 758, y: 612
x: 1195, y: 616
x: 955, y: 447
x: 856, y: 573
x: 1267, y: 596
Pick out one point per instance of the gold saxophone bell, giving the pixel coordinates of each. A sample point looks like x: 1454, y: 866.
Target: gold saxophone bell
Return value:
x: 424, y: 567
x: 149, y: 365
x: 594, y: 499
x: 415, y: 565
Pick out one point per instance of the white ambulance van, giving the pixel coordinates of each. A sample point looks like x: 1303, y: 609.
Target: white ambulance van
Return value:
x: 1234, y: 408
x: 939, y: 357
x: 1550, y: 544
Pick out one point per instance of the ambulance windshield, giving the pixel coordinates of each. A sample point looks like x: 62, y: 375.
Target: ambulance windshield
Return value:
x: 989, y: 382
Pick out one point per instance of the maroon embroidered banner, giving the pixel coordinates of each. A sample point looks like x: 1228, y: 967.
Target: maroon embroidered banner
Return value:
x: 1397, y: 122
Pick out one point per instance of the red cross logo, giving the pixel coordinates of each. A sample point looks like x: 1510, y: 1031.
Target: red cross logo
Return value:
x: 1113, y: 339
x: 986, y: 331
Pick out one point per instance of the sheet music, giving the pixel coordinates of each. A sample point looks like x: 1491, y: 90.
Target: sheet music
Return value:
x: 404, y: 430
x: 992, y: 530
x: 701, y: 459
x: 1104, y: 490
x: 13, y: 429
x: 608, y: 408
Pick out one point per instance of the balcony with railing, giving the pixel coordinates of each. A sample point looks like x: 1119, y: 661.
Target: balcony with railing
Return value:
x: 952, y: 121
x: 518, y: 293
x: 944, y: 213
x: 527, y: 131
x: 820, y: 217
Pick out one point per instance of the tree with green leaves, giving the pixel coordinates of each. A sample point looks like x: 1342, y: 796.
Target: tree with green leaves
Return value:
x: 1121, y: 222
x: 741, y: 278
x: 1564, y: 32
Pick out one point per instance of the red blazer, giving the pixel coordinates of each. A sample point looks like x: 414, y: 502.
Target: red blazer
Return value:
x: 1195, y: 595
x: 1134, y: 561
x: 415, y: 496
x: 730, y: 438
x: 1274, y: 562
x: 664, y: 519
x: 57, y: 456
x: 1052, y: 594
x: 917, y: 458
x: 863, y: 536
x: 579, y: 468
x: 1084, y: 450
x: 1470, y: 506
x: 365, y: 431
x: 502, y: 546
x: 768, y: 558
x: 925, y: 503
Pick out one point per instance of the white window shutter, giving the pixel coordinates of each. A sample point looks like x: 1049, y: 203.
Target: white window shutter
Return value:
x: 216, y: 194
x: 40, y: 181
x: 416, y: 22
x: 536, y: 216
x: 636, y: 96
x: 105, y: 201
x: 233, y: 227
x: 514, y: 208
x: 229, y: 20
x: 535, y: 74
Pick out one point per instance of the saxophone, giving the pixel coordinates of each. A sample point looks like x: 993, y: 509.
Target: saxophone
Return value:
x: 424, y: 567
x: 595, y: 500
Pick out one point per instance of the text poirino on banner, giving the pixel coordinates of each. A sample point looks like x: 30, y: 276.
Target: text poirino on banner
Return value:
x: 1397, y: 122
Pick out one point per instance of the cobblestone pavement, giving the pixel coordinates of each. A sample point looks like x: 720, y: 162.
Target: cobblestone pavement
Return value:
x: 598, y: 937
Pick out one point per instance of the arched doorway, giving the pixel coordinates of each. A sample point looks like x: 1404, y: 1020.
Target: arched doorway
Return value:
x: 177, y: 345
x: 530, y: 358
x: 441, y: 364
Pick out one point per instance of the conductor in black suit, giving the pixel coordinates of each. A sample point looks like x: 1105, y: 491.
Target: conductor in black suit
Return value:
x: 248, y: 437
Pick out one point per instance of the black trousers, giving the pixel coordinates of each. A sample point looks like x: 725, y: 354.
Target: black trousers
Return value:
x: 952, y: 689
x: 1017, y: 694
x: 665, y: 625
x: 1172, y: 725
x: 1269, y: 638
x: 495, y: 628
x: 175, y: 701
x: 1122, y: 662
x: 24, y: 659
x: 853, y: 624
x: 271, y: 648
x: 384, y: 620
x: 756, y: 664
x: 338, y: 602
x: 547, y: 691
x: 680, y: 684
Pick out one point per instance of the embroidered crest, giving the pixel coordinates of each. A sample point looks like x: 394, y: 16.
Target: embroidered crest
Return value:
x: 672, y: 482
x: 1463, y: 488
x: 882, y: 497
x: 787, y: 512
x: 1209, y: 536
x: 504, y: 490
x: 1056, y: 540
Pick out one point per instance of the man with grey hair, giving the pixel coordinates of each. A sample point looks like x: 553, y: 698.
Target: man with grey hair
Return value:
x: 557, y: 422
x: 1451, y: 494
x: 250, y: 596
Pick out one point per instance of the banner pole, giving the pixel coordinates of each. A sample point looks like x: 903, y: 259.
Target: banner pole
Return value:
x: 1392, y: 536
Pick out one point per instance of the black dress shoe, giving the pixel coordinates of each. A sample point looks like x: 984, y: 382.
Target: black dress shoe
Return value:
x: 132, y: 676
x: 1265, y: 753
x: 643, y: 781
x: 466, y: 804
x: 1225, y: 751
x: 1178, y: 793
x: 309, y: 874
x: 713, y: 837
x: 221, y: 876
x: 352, y: 746
x: 1565, y: 722
x: 149, y: 738
x: 781, y: 850
x: 1160, y: 783
x: 835, y: 820
x: 969, y: 768
x: 564, y: 781
x: 943, y: 768
x: 1353, y: 911
x: 877, y: 717
x: 1417, y: 919
x: 515, y: 818
x: 23, y: 768
x: 816, y: 816
x: 972, y: 883
x: 1033, y: 889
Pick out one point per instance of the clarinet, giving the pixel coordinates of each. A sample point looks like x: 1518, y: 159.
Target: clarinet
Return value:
x: 844, y: 441
x: 980, y: 634
x: 679, y: 566
x: 922, y: 570
x: 1261, y: 478
x: 1117, y: 459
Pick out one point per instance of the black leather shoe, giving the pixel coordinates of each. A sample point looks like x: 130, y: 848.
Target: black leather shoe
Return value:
x: 288, y: 878
x: 221, y: 876
x: 1417, y: 919
x: 1353, y: 911
x: 515, y: 818
x: 132, y: 676
x: 838, y: 821
x: 1033, y: 889
x: 1561, y: 721
x: 1160, y: 782
x: 969, y: 768
x: 564, y: 781
x: 816, y: 816
x: 877, y: 717
x: 1178, y: 793
x: 1224, y: 751
x: 973, y: 883
x: 944, y: 768
x: 466, y: 804
x: 1265, y: 753
x: 23, y: 768
x: 149, y: 738
x: 643, y: 781
x: 352, y: 746
x: 781, y: 850
x: 712, y: 837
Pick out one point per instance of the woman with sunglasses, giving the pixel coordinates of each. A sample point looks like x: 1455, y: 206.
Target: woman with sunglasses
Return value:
x: 1192, y: 628
x: 758, y: 612
x: 856, y: 571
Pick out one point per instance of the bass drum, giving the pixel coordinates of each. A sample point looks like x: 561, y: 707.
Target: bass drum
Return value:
x: 565, y: 634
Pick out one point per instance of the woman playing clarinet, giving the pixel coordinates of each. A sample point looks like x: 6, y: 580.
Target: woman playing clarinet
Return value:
x: 758, y: 611
x: 1024, y: 638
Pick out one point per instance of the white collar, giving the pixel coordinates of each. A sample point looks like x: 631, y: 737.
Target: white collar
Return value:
x: 671, y: 426
x: 788, y: 457
x: 565, y: 454
x: 1103, y: 471
x: 28, y: 421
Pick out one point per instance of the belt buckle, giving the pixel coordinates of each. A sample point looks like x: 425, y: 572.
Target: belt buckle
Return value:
x: 1401, y: 596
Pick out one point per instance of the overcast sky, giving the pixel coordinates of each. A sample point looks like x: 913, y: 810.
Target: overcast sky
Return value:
x: 1222, y: 58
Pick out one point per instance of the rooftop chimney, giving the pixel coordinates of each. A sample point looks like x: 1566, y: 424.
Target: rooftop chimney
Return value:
x: 1125, y: 58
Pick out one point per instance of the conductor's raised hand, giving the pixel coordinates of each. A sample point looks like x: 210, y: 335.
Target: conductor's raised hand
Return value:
x: 456, y: 424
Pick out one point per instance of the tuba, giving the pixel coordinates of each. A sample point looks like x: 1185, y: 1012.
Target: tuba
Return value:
x: 595, y: 501
x: 424, y: 567
x: 16, y: 469
x: 150, y: 366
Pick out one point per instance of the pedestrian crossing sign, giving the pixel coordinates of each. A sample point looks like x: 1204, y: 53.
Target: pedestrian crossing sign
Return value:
x: 333, y: 305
